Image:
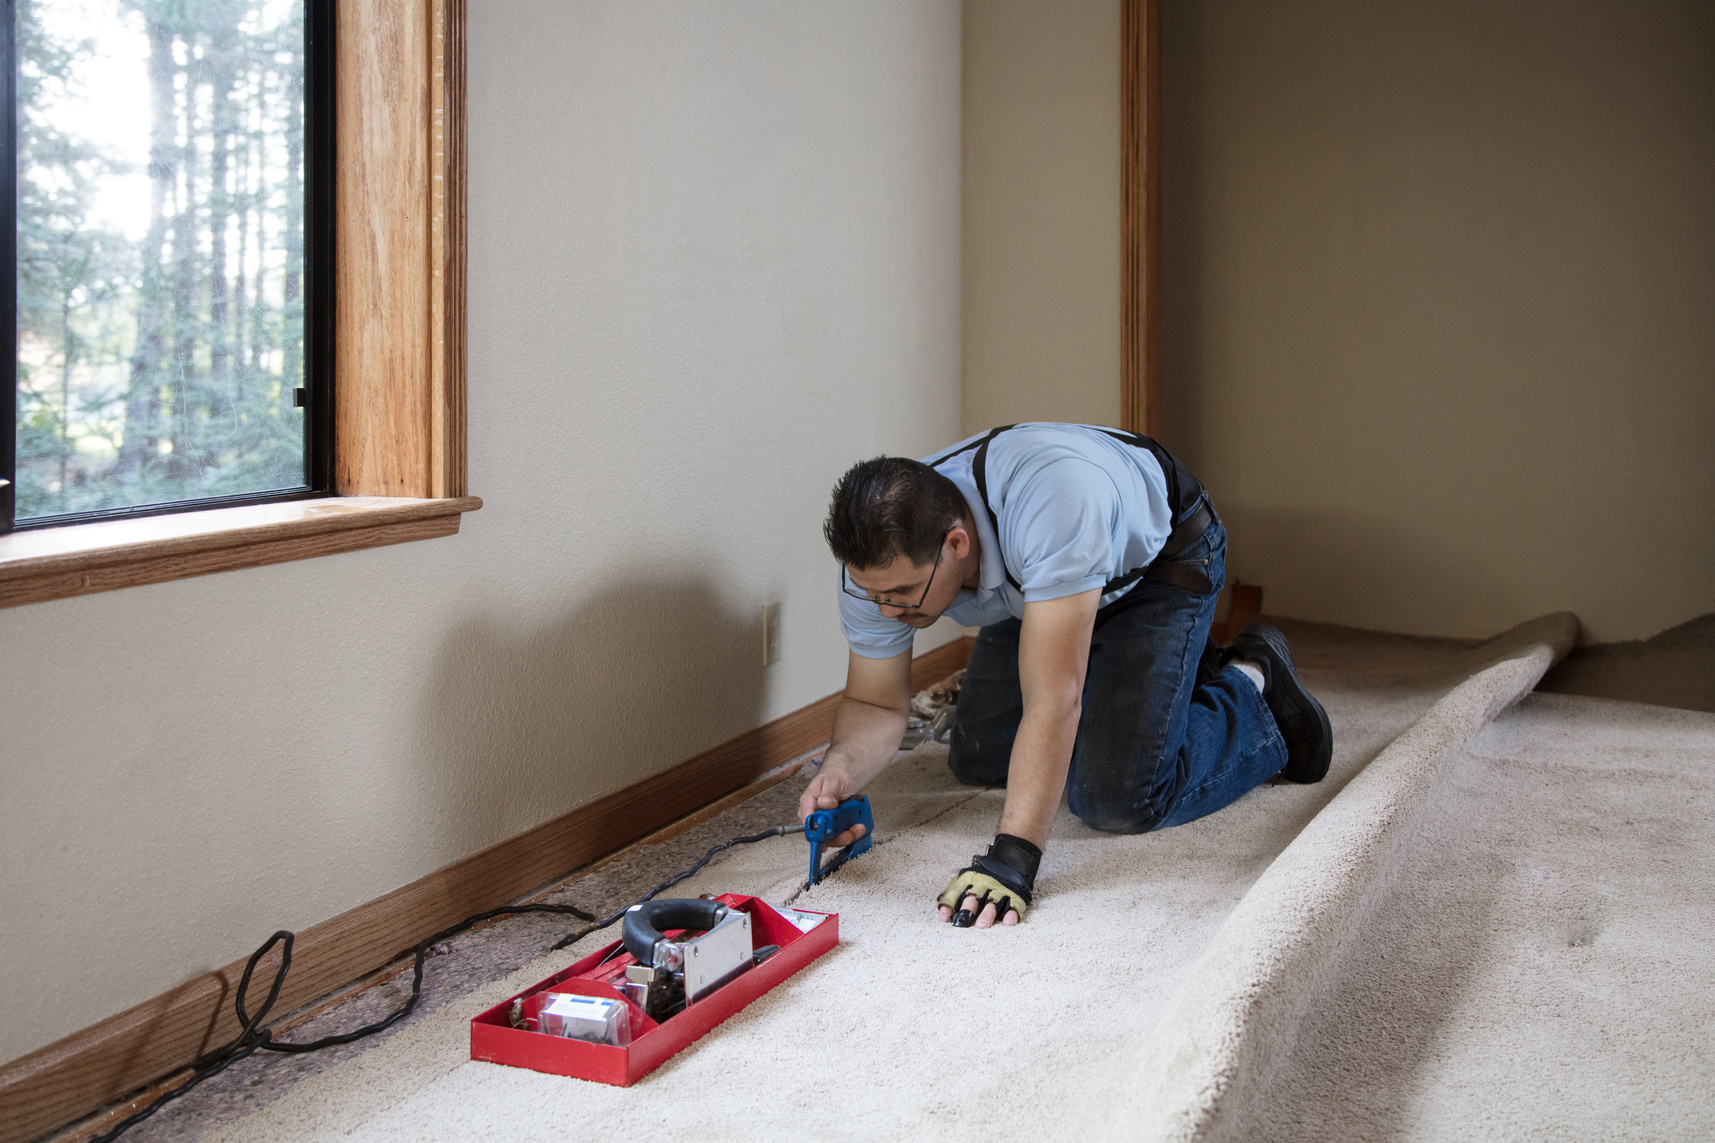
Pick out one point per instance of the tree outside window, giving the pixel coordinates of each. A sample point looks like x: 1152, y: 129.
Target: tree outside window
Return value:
x: 160, y: 252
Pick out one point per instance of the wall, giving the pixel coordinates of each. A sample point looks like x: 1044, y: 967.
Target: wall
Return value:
x: 713, y: 248
x: 1439, y: 286
x: 1041, y: 212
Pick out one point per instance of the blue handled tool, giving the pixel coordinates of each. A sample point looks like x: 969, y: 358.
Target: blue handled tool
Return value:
x: 823, y: 826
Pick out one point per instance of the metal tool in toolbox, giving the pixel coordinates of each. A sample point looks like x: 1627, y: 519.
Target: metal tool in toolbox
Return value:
x: 823, y: 826
x: 668, y: 974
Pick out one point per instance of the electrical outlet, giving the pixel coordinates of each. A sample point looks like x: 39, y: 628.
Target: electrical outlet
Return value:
x: 770, y: 634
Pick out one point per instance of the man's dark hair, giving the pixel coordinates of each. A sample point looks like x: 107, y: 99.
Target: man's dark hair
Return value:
x: 888, y: 507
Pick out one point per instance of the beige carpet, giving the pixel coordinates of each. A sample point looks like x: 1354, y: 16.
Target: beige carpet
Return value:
x: 1163, y: 987
x: 1540, y: 964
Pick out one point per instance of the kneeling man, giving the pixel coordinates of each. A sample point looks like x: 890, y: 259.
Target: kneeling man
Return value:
x: 1091, y: 559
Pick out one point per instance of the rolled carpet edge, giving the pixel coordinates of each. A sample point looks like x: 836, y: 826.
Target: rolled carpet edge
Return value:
x: 1229, y: 1023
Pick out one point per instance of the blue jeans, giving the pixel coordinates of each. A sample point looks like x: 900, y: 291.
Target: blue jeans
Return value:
x: 1166, y: 735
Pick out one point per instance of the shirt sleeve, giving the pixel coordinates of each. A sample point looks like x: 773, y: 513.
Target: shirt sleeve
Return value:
x: 868, y: 632
x: 1058, y: 525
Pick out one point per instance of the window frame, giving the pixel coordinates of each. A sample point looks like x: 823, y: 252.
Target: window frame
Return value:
x: 9, y: 258
x: 1140, y: 216
x: 396, y: 405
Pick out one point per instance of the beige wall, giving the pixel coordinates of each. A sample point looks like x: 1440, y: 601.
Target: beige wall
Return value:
x: 1041, y: 211
x: 712, y: 249
x: 1440, y: 304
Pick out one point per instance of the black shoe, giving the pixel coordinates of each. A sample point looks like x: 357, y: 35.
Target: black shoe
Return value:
x: 1302, y: 721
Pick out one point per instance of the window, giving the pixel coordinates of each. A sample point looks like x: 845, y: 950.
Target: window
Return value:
x: 172, y: 258
x: 392, y: 214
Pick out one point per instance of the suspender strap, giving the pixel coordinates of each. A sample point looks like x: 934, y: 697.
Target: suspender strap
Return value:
x: 1192, y: 515
x: 979, y: 471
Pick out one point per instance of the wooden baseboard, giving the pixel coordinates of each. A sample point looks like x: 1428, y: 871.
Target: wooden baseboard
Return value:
x: 1244, y: 603
x: 99, y: 1065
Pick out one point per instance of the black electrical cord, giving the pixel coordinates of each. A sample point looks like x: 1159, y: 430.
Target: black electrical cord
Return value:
x: 253, y: 1037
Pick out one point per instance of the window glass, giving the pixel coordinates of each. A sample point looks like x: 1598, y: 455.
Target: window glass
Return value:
x: 160, y: 252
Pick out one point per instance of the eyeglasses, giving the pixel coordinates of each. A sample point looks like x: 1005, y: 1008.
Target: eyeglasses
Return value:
x: 845, y: 584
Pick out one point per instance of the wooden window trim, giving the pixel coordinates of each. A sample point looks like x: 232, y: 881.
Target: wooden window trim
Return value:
x: 54, y: 563
x: 1140, y: 216
x: 399, y: 340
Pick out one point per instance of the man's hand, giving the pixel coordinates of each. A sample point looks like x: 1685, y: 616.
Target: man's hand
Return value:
x: 825, y: 792
x: 998, y: 882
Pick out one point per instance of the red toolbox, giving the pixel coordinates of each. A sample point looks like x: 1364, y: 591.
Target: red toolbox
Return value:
x: 801, y: 937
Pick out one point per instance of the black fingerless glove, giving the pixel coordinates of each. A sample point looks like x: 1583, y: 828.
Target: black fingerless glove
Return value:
x: 1005, y: 875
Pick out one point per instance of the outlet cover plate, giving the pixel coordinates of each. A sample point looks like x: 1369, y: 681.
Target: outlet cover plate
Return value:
x: 770, y: 634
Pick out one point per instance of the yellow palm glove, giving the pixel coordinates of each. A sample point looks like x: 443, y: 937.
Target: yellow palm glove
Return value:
x: 1004, y: 876
x: 971, y: 883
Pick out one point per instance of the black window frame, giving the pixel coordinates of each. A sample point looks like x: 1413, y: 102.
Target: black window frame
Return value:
x: 320, y: 126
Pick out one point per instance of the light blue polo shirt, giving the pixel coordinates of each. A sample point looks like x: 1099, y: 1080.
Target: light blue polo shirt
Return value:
x: 1077, y: 508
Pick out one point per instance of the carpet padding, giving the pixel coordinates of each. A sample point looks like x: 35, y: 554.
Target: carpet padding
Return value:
x: 1673, y: 668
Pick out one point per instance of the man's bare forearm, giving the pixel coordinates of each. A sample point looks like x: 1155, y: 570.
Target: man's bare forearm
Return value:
x: 1041, y: 757
x: 1053, y: 649
x: 866, y: 737
x: 868, y: 724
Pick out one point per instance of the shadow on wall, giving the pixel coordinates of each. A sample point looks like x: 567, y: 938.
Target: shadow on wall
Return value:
x: 524, y: 725
x: 1354, y: 569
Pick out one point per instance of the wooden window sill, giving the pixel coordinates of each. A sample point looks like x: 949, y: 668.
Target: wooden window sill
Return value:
x: 80, y: 559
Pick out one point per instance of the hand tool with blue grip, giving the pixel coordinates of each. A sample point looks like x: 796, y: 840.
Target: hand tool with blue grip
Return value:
x: 823, y: 826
